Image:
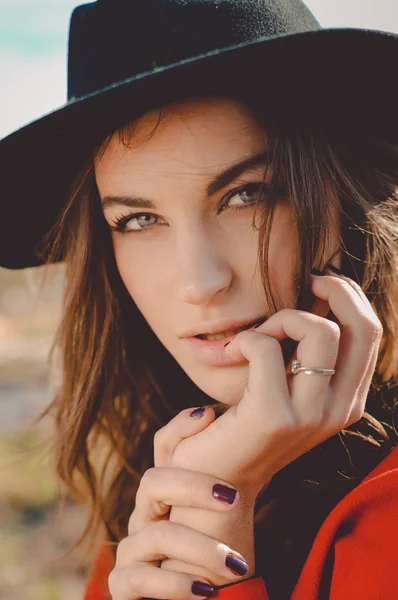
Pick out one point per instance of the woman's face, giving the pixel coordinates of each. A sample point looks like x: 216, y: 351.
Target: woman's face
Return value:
x: 190, y: 260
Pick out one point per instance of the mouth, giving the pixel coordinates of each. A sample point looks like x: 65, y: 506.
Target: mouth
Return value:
x: 229, y: 334
x: 209, y: 348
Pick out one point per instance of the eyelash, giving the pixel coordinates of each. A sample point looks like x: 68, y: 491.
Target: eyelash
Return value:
x: 121, y: 222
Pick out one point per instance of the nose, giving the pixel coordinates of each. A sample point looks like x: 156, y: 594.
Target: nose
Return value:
x: 203, y: 269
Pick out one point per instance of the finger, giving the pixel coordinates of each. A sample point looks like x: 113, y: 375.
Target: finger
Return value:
x: 146, y: 581
x: 355, y: 286
x: 318, y: 343
x: 180, y: 427
x: 359, y: 404
x: 163, y: 539
x: 360, y: 333
x: 266, y: 379
x: 163, y: 487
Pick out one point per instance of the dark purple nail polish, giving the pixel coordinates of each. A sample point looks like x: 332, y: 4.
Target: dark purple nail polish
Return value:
x: 334, y: 269
x: 259, y: 325
x: 236, y: 565
x: 317, y: 272
x: 224, y: 493
x: 202, y: 589
x: 198, y: 412
x: 226, y: 344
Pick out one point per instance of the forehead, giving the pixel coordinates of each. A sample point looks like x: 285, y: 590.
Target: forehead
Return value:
x: 197, y: 137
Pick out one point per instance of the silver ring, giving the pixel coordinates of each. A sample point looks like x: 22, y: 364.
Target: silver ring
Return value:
x: 297, y: 368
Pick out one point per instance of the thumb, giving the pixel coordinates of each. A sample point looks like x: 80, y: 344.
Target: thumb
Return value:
x: 186, y: 424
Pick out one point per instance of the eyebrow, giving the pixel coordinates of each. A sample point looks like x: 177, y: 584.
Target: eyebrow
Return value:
x: 220, y: 181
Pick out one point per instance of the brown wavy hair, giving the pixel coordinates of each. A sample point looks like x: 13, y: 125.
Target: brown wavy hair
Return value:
x: 120, y: 385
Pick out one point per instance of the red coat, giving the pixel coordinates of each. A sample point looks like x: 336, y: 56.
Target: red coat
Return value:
x: 365, y: 557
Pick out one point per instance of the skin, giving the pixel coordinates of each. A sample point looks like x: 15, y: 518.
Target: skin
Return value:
x: 189, y: 270
x: 192, y: 270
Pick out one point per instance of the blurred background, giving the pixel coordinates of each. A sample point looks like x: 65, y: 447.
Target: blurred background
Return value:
x: 33, y: 41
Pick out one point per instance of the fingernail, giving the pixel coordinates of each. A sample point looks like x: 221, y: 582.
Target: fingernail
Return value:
x: 259, y: 325
x: 334, y: 269
x: 236, y: 565
x: 224, y: 493
x: 226, y: 344
x: 198, y: 412
x: 317, y: 272
x: 202, y: 589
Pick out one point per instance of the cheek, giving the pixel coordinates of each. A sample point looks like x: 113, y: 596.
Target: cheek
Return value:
x: 139, y: 273
x: 283, y: 255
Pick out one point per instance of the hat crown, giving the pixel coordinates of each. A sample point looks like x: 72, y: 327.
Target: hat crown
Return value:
x: 113, y: 40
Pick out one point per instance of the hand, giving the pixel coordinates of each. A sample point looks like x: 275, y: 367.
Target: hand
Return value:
x: 280, y: 417
x: 152, y: 537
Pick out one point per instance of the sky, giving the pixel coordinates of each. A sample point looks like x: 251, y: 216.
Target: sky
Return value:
x: 33, y: 42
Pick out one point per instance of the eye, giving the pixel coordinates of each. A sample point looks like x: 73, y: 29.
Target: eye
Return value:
x: 244, y: 195
x: 134, y: 222
x: 141, y: 221
x: 236, y: 199
x: 241, y: 197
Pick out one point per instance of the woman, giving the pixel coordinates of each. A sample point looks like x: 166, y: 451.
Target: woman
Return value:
x: 230, y: 321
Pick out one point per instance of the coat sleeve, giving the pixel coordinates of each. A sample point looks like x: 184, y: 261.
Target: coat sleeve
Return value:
x: 354, y: 555
x: 97, y: 585
x: 248, y: 589
x: 355, y: 552
x: 366, y: 546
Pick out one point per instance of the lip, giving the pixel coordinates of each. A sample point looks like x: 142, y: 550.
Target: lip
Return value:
x: 220, y: 327
x: 212, y: 352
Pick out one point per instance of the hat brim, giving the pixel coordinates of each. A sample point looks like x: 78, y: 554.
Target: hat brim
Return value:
x: 338, y: 78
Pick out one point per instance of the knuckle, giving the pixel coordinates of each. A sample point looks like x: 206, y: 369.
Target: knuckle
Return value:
x: 175, y: 585
x: 159, y: 436
x: 339, y: 281
x: 334, y: 330
x: 159, y: 530
x: 193, y: 485
x: 330, y: 331
x: 112, y: 577
x: 268, y: 344
x: 132, y: 525
x: 338, y: 422
x: 311, y: 420
x: 355, y: 415
x: 372, y: 329
x: 146, y: 483
x: 283, y: 430
x: 377, y: 329
x: 149, y: 476
x: 121, y: 549
x: 379, y: 325
x: 136, y: 580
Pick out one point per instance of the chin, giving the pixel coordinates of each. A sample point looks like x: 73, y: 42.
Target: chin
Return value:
x: 226, y: 386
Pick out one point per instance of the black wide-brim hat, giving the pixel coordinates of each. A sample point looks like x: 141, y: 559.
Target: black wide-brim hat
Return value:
x: 127, y: 57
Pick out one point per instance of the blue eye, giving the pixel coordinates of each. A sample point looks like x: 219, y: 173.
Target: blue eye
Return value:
x: 142, y: 219
x: 250, y: 193
x: 136, y: 218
